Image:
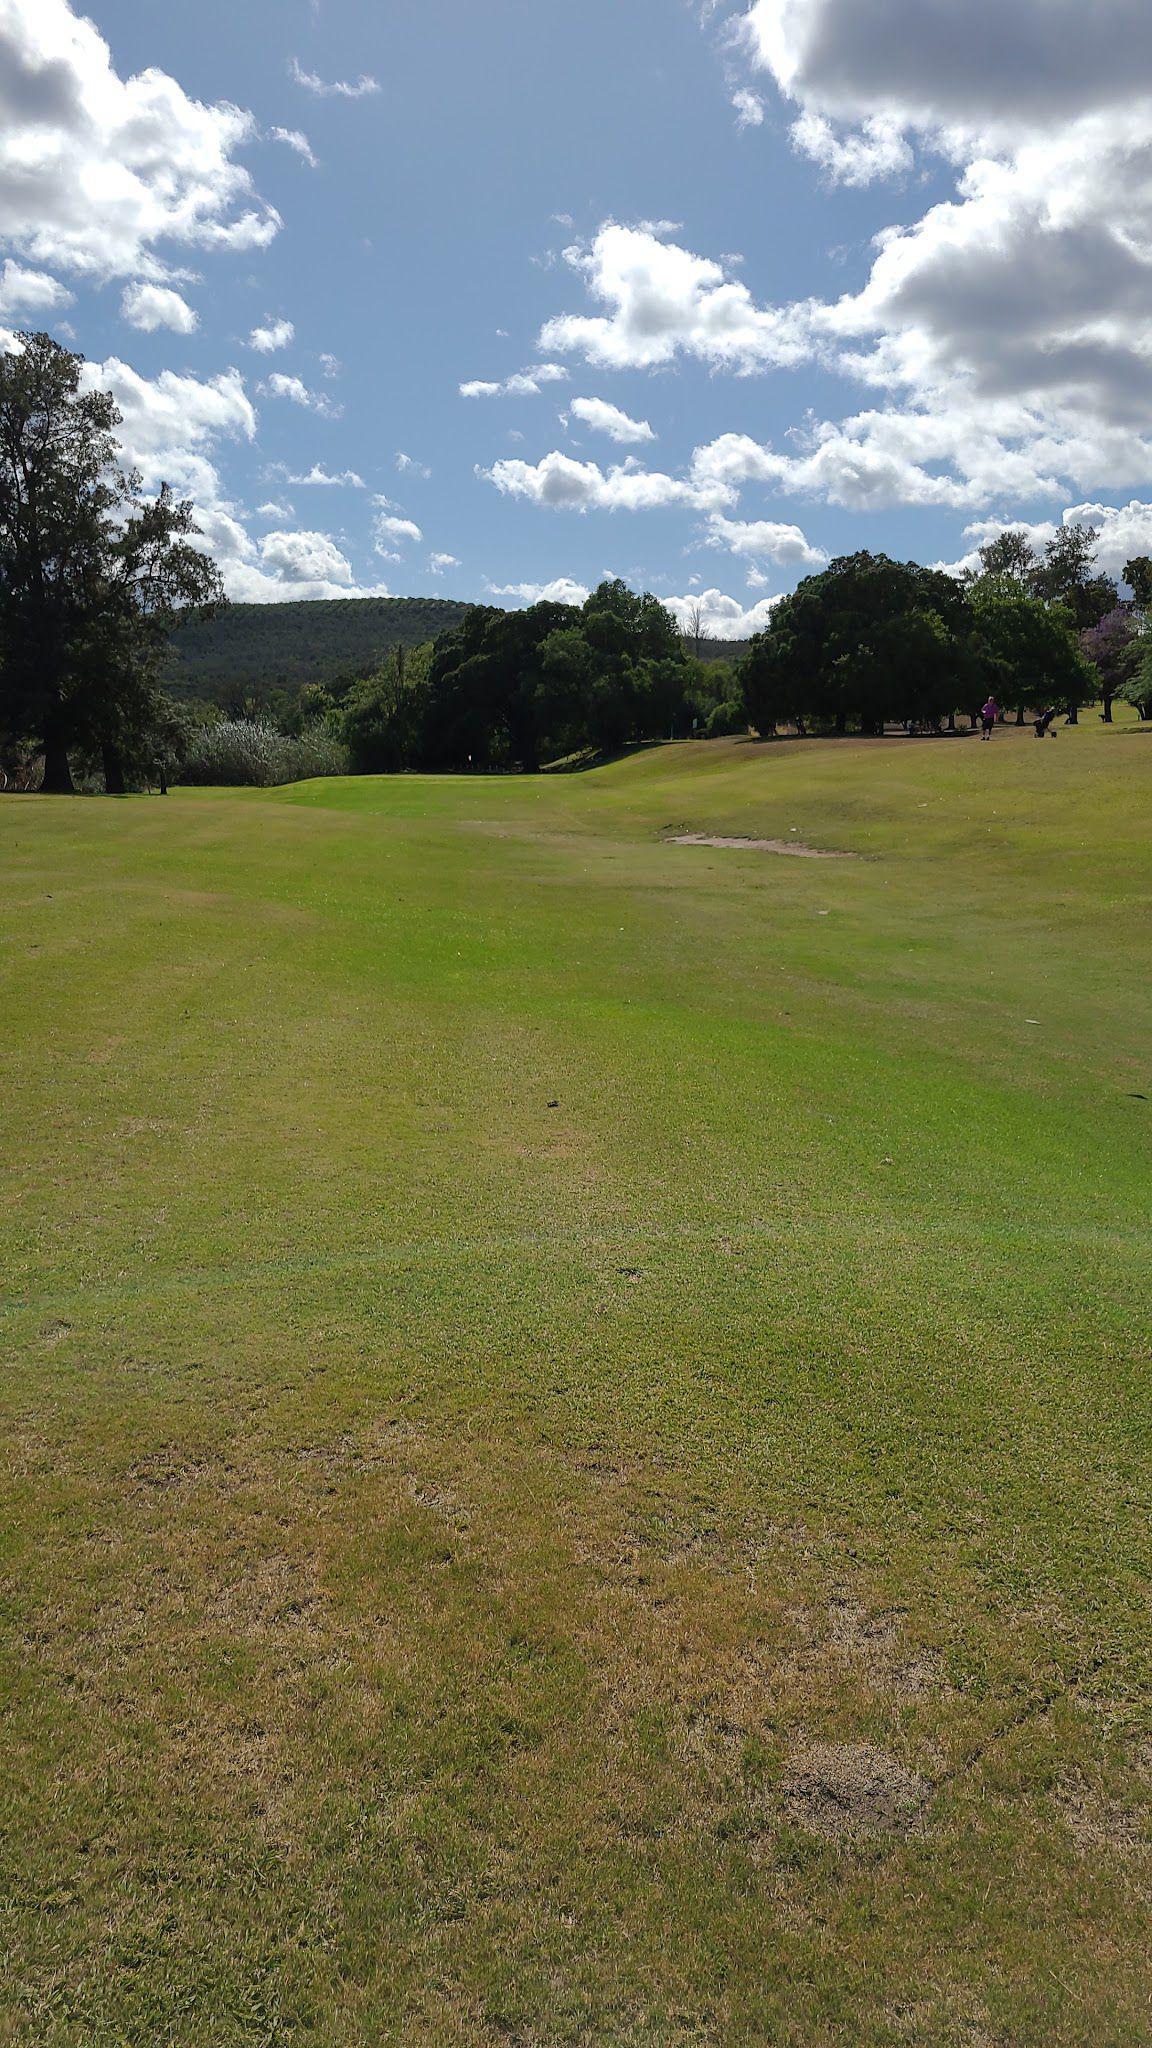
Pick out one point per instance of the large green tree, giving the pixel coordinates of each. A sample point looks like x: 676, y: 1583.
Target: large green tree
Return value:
x: 865, y: 641
x: 92, y: 576
x: 1028, y: 650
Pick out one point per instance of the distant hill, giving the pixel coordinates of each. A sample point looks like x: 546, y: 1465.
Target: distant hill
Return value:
x: 253, y: 653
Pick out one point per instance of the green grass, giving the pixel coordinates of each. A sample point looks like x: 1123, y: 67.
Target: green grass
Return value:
x: 536, y: 1361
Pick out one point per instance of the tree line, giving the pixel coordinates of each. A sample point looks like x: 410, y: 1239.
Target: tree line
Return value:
x: 95, y: 579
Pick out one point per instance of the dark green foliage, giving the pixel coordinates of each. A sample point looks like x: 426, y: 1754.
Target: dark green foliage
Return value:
x: 515, y: 690
x: 255, y: 656
x: 1138, y: 577
x: 92, y: 577
x: 383, y: 717
x: 866, y: 641
x: 1136, y: 687
x: 1063, y: 574
x: 1065, y: 577
x: 1028, y: 649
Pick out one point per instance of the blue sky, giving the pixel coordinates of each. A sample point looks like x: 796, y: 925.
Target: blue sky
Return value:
x: 790, y: 278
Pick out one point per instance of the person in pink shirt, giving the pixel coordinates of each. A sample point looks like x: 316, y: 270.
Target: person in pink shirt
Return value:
x: 989, y: 713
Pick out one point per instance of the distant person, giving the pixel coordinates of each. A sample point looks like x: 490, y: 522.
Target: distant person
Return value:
x: 989, y: 713
x: 1044, y: 723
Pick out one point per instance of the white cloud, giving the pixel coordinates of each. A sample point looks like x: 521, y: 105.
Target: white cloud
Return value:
x: 408, y: 465
x: 724, y: 618
x: 389, y: 527
x: 149, y: 306
x: 765, y: 539
x: 304, y: 557
x: 525, y: 384
x: 296, y: 391
x: 338, y: 88
x: 24, y: 292
x: 98, y: 173
x: 879, y: 149
x: 562, y: 590
x: 603, y: 418
x: 993, y: 68
x: 867, y: 463
x: 563, y: 484
x: 749, y: 109
x: 341, y: 478
x: 1122, y: 531
x: 172, y: 427
x: 438, y: 563
x: 1010, y: 326
x: 295, y: 139
x: 664, y: 302
x: 167, y: 421
x: 274, y: 335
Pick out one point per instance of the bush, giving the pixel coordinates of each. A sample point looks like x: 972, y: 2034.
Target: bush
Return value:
x: 251, y: 753
x: 726, y: 719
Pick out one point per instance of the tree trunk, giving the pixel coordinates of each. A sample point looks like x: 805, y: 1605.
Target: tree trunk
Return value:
x: 113, y: 771
x: 1073, y: 714
x: 1020, y: 715
x: 951, y: 721
x: 57, y: 774
x: 1106, y: 714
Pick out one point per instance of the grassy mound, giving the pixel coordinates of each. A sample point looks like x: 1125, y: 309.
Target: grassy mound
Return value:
x: 576, y: 1407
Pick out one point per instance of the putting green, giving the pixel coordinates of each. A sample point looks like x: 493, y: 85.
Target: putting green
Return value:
x: 576, y: 1406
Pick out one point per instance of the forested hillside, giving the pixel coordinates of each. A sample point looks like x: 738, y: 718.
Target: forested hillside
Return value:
x: 251, y: 654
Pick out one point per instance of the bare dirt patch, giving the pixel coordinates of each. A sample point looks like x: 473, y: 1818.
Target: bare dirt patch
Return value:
x: 792, y: 846
x: 840, y: 1790
x: 1100, y: 1824
x: 872, y: 1646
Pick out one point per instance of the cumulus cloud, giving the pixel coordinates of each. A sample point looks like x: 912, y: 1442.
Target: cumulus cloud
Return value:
x: 273, y: 335
x: 721, y: 617
x: 390, y: 527
x: 664, y: 302
x: 173, y: 427
x: 343, y: 478
x: 334, y: 89
x: 25, y: 293
x: 525, y: 384
x: 992, y: 68
x: 562, y: 590
x: 1122, y: 532
x: 99, y: 173
x: 765, y: 539
x: 278, y: 385
x: 438, y: 563
x: 149, y: 306
x: 602, y: 418
x: 169, y: 420
x: 878, y: 149
x: 304, y: 557
x: 408, y: 465
x: 565, y: 485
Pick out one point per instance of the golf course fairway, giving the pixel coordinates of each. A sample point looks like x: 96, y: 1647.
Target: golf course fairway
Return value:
x: 576, y: 1451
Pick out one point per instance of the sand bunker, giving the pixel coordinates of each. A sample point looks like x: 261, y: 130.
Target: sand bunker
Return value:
x: 792, y: 846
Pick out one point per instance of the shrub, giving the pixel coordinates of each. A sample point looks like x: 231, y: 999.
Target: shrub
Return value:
x: 726, y: 719
x: 252, y: 753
